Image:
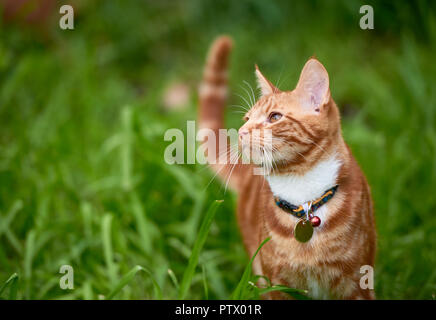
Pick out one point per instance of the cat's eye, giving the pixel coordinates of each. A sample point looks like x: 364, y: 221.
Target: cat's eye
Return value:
x: 274, y: 116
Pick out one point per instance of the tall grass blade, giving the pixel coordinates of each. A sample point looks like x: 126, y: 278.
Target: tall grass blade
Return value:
x: 126, y: 149
x: 107, y: 248
x: 198, y: 245
x: 295, y: 293
x: 13, y: 289
x: 206, y: 289
x: 29, y: 253
x: 141, y: 223
x: 242, y: 287
x: 174, y: 279
x: 128, y: 277
x: 12, y: 283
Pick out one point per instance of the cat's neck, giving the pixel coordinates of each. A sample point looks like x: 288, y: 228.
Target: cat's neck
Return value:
x: 310, y: 185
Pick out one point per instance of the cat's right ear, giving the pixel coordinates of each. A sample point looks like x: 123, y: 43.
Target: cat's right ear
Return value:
x: 265, y: 86
x: 313, y: 86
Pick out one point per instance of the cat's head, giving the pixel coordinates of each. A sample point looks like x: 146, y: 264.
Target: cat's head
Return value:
x: 283, y: 127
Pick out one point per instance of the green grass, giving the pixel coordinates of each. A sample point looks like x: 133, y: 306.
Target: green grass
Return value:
x: 198, y: 246
x: 82, y: 176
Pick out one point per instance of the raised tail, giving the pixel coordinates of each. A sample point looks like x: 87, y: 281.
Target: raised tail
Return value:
x: 213, y: 88
x: 213, y: 93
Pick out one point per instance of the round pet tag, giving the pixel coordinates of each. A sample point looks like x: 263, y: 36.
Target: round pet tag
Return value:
x: 303, y: 230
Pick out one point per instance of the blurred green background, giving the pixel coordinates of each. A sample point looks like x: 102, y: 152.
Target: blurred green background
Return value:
x: 82, y: 118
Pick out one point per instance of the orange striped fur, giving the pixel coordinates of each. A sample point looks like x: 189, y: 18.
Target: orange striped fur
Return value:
x: 309, y: 156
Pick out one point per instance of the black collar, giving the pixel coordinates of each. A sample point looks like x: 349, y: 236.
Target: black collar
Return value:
x: 298, y: 211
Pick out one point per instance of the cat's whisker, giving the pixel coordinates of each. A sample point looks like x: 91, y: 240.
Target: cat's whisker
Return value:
x: 278, y: 80
x: 299, y: 153
x: 252, y: 91
x: 239, y: 106
x: 321, y: 148
x: 227, y: 152
x: 235, y: 159
x: 282, y: 79
x: 284, y: 141
x: 245, y: 100
x: 273, y: 162
x: 221, y: 153
x: 263, y: 166
x: 228, y: 178
x: 273, y: 148
x: 248, y: 93
x: 268, y: 161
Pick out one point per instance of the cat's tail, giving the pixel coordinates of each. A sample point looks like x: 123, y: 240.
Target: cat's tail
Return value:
x: 213, y: 88
x: 213, y: 93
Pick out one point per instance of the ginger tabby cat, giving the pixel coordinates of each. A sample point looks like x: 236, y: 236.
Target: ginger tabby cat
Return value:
x: 309, y: 158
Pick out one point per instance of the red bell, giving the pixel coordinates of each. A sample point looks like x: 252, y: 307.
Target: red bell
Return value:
x: 316, y: 221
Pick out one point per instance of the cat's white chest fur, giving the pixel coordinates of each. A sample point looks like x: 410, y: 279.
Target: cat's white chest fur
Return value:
x: 299, y: 189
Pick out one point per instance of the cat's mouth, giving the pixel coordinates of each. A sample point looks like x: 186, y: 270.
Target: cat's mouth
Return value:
x: 258, y: 154
x: 270, y: 156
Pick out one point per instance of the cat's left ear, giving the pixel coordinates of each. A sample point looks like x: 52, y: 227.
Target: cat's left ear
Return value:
x: 313, y: 86
x: 265, y: 86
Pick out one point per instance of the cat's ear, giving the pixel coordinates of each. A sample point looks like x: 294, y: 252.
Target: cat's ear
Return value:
x: 313, y: 86
x: 265, y: 86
